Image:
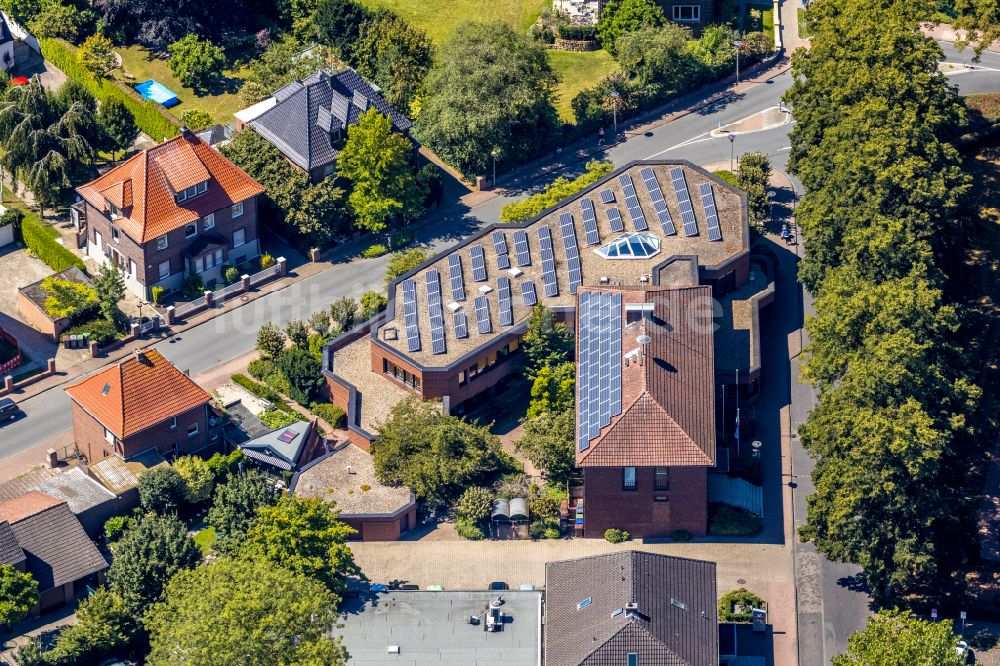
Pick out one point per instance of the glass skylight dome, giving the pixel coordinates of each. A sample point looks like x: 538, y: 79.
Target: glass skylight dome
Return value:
x: 632, y: 246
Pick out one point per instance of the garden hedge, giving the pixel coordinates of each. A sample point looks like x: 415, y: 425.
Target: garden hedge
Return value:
x: 41, y: 239
x: 150, y: 120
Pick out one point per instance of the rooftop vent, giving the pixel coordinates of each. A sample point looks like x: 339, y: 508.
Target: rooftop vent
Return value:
x: 392, y: 649
x: 454, y: 307
x: 515, y: 272
x: 350, y: 470
x: 486, y: 289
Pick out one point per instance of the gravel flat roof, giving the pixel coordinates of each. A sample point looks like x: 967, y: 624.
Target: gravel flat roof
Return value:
x: 343, y: 477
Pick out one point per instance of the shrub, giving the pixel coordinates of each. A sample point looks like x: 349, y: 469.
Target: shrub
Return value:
x: 559, y: 189
x: 259, y: 368
x: 41, y: 239
x: 192, y: 287
x: 467, y: 529
x: 231, y: 274
x: 615, y: 535
x: 475, y: 504
x: 725, y: 520
x: 68, y: 299
x: 275, y: 419
x: 116, y: 526
x: 376, y: 250
x: 304, y: 374
x: 99, y: 330
x: 97, y: 55
x: 161, y: 490
x: 332, y: 414
x: 743, y: 598
x: 543, y: 506
x: 266, y: 261
x: 199, y: 479
x: 403, y: 262
x: 580, y: 33
x: 158, y: 295
x: 262, y: 391
x: 196, y: 119
x: 297, y: 332
x: 270, y: 340
x: 372, y: 303
x: 224, y: 466
x: 147, y: 116
x: 680, y: 535
x: 545, y: 528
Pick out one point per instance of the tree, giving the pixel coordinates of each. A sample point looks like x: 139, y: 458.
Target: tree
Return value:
x: 161, y: 490
x: 97, y: 54
x: 403, y: 262
x: 297, y: 332
x: 548, y: 442
x: 304, y: 373
x: 109, y: 283
x: 897, y: 638
x: 196, y: 118
x: 297, y: 15
x: 196, y: 63
x: 198, y: 478
x: 981, y: 21
x: 280, y: 64
x: 377, y: 162
x: 146, y: 557
x: 236, y: 505
x: 395, y: 55
x: 344, y: 312
x: 554, y: 389
x: 338, y: 25
x: 433, y: 454
x: 547, y: 342
x: 57, y: 20
x: 21, y: 11
x: 714, y: 48
x: 252, y: 613
x: 491, y: 86
x: 118, y: 123
x: 658, y: 58
x: 271, y: 340
x: 104, y: 625
x: 18, y: 595
x: 320, y: 322
x: 475, y: 504
x: 754, y: 178
x: 372, y: 303
x: 303, y: 536
x: 623, y: 16
x: 152, y: 23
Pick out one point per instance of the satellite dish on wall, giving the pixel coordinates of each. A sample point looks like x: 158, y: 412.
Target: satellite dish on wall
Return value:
x: 644, y: 339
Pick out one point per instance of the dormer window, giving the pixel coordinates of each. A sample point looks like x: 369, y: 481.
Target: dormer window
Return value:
x: 114, y: 211
x: 191, y: 192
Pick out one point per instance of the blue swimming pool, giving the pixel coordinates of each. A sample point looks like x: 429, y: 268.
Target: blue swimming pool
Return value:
x: 157, y: 92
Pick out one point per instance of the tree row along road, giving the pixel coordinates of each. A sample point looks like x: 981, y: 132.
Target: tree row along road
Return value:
x: 233, y: 333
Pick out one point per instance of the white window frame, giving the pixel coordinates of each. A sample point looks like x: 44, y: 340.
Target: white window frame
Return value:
x: 237, y: 210
x: 219, y: 257
x: 164, y: 274
x: 131, y: 268
x: 695, y: 13
x: 115, y: 234
x: 113, y: 210
x: 241, y: 232
x: 98, y: 240
x: 193, y: 433
x: 109, y: 436
x: 162, y: 243
x: 208, y: 221
x: 173, y: 423
x: 199, y: 265
x: 201, y: 187
x: 188, y: 226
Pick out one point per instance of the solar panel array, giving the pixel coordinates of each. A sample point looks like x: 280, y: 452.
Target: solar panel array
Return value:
x: 711, y: 214
x: 528, y: 293
x: 572, y: 251
x: 410, y: 315
x: 599, y: 367
x: 615, y: 219
x: 632, y: 203
x: 506, y: 307
x: 521, y: 248
x: 461, y: 325
x: 435, y: 313
x: 548, y: 262
x: 607, y: 196
x: 478, y: 263
x: 684, y: 200
x: 500, y: 248
x: 590, y: 222
x: 483, y: 315
x: 457, y: 281
x: 659, y: 205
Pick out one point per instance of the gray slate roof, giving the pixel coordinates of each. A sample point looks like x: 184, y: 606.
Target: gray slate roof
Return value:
x: 5, y: 35
x: 660, y: 630
x: 10, y: 551
x: 269, y: 448
x: 299, y: 124
x: 79, y: 490
x: 58, y: 550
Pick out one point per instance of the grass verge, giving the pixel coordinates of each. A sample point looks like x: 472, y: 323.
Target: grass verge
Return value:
x: 577, y: 70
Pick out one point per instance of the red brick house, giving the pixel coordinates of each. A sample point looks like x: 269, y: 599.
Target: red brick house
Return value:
x: 174, y: 210
x: 141, y: 403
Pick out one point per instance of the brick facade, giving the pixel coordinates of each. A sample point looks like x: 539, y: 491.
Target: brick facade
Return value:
x: 606, y: 504
x: 89, y: 436
x: 382, y: 528
x: 38, y: 319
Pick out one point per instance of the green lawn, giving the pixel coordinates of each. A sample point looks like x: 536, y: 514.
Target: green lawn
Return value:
x: 222, y: 104
x: 804, y: 31
x: 205, y: 538
x: 576, y: 71
x: 439, y: 19
x: 766, y: 22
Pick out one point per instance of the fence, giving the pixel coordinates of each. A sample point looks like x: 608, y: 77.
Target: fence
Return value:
x: 265, y: 275
x: 736, y: 492
x: 16, y: 359
x: 221, y: 295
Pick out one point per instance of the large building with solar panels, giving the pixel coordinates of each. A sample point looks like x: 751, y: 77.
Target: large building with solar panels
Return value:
x: 453, y: 326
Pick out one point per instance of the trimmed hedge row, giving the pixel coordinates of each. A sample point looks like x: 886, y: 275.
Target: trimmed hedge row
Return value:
x: 41, y: 239
x: 155, y: 124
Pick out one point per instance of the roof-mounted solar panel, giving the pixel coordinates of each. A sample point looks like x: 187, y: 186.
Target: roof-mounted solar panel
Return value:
x: 435, y: 313
x: 478, y: 263
x: 607, y: 196
x: 684, y: 201
x: 503, y: 261
x: 659, y: 205
x: 521, y: 248
x: 528, y: 293
x: 506, y: 307
x: 461, y: 325
x: 548, y: 262
x: 410, y: 315
x: 711, y: 213
x: 599, y: 335
x: 457, y: 279
x: 572, y: 251
x: 590, y: 222
x: 632, y: 203
x: 499, y: 242
x: 615, y: 219
x: 483, y: 315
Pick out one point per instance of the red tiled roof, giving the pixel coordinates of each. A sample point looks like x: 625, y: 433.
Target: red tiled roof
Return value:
x: 143, y: 187
x: 141, y: 391
x: 27, y: 505
x: 668, y: 402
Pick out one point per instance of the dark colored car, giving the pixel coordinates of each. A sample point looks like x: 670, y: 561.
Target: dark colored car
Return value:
x: 8, y: 409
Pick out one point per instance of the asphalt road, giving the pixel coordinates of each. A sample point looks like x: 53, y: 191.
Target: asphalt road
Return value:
x: 829, y: 608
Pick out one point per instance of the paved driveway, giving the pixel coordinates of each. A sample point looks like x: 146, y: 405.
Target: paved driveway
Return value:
x: 17, y: 269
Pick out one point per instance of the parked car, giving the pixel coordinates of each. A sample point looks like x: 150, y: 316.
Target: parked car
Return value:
x: 962, y: 651
x: 8, y: 409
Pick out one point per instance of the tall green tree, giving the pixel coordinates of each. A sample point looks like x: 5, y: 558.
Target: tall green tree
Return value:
x: 554, y: 389
x: 338, y: 25
x: 897, y: 638
x: 658, y: 58
x: 103, y: 625
x: 118, y: 123
x: 18, y: 595
x: 395, y: 55
x: 97, y: 54
x: 303, y: 536
x: 377, y: 162
x: 623, y: 16
x: 235, y: 507
x: 146, y: 557
x: 282, y: 62
x: 197, y: 63
x: 253, y: 613
x: 548, y: 442
x: 109, y: 283
x: 490, y: 87
x: 547, y: 341
x: 161, y: 490
x: 754, y: 177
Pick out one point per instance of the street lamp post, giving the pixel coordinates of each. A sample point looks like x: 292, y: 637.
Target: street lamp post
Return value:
x: 737, y: 43
x: 495, y: 153
x: 732, y: 152
x: 615, y: 95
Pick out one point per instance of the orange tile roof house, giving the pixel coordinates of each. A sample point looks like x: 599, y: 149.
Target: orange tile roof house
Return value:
x: 141, y: 403
x: 39, y: 534
x: 174, y: 210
